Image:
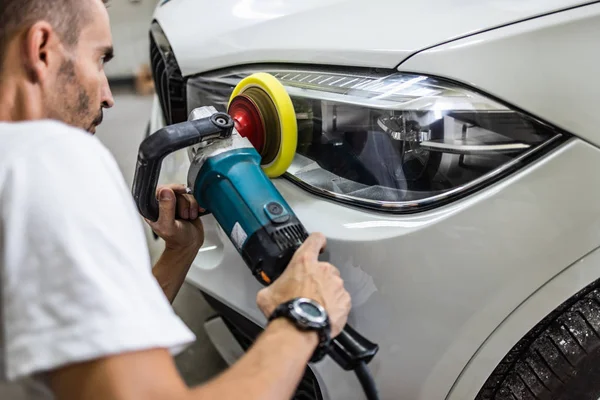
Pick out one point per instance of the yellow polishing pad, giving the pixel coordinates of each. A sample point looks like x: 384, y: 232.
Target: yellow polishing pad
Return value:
x: 276, y: 122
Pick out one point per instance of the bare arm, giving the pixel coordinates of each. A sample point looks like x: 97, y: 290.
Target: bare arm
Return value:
x: 270, y: 370
x: 181, y: 229
x: 171, y: 269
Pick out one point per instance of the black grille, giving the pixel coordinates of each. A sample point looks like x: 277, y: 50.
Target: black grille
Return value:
x: 289, y: 236
x: 168, y: 80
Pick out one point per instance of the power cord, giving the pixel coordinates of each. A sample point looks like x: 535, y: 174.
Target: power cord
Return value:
x: 366, y: 380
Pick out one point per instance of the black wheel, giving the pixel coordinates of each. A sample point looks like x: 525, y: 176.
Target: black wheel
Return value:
x: 557, y: 360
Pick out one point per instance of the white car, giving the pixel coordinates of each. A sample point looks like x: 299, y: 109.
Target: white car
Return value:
x: 449, y: 152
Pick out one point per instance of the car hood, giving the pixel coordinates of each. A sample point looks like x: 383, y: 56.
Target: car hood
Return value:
x: 208, y: 34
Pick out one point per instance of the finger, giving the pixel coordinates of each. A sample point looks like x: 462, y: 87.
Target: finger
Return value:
x: 348, y: 300
x: 150, y: 222
x: 330, y: 268
x: 166, y: 207
x: 194, y: 207
x: 183, y: 207
x: 175, y: 187
x: 182, y: 189
x: 338, y: 282
x: 312, y: 246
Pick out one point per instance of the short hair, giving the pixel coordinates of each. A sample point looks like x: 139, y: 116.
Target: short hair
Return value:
x: 66, y: 17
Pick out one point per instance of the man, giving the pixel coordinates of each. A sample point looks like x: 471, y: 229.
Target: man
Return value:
x: 82, y: 314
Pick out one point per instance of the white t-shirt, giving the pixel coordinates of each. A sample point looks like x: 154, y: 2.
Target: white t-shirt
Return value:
x: 75, y: 276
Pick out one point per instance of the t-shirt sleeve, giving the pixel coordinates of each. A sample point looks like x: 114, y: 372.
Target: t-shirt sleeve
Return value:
x: 77, y: 279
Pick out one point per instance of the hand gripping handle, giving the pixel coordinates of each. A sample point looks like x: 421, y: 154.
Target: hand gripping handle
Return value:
x: 165, y: 141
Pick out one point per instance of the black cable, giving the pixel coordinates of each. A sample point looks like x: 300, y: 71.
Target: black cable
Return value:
x: 366, y: 380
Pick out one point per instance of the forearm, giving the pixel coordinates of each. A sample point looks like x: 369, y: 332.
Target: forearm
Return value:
x: 171, y: 269
x: 270, y: 370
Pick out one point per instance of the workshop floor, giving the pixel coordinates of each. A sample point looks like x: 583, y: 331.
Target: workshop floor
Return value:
x: 122, y: 130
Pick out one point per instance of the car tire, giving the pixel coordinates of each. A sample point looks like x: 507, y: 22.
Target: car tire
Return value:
x: 558, y: 360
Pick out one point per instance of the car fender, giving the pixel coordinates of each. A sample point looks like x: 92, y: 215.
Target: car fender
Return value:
x: 545, y: 66
x: 563, y: 289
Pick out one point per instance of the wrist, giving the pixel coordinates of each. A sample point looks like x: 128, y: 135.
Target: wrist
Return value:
x: 307, y: 315
x: 182, y: 249
x: 310, y: 339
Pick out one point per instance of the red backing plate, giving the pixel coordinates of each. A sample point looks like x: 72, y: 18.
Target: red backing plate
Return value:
x: 248, y: 120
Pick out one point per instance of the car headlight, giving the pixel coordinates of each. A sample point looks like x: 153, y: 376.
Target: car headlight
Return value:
x: 392, y: 141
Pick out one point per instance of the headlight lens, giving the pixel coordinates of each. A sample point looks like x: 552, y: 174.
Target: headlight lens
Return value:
x: 394, y: 141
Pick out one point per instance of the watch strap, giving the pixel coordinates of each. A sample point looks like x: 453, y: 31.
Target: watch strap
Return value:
x: 284, y: 310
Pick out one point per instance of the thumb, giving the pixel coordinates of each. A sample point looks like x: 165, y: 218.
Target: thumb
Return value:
x: 166, y: 206
x: 311, y: 248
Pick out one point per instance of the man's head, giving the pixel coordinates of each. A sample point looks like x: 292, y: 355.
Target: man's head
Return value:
x: 52, y: 53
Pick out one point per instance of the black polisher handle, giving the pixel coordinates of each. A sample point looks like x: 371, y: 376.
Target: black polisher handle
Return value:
x: 350, y: 348
x: 167, y: 140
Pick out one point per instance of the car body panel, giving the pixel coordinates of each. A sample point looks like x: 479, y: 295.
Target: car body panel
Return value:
x: 381, y: 33
x: 427, y: 321
x: 547, y: 66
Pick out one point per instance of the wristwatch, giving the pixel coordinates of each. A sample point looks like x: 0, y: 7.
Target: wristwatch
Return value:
x: 307, y: 315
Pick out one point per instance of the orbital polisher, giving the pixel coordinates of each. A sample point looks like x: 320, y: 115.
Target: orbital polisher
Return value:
x: 233, y: 156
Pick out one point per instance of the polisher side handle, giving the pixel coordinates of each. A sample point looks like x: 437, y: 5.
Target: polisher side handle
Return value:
x: 165, y: 141
x: 350, y: 348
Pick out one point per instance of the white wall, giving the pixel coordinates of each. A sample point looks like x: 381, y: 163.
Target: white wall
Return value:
x: 130, y: 21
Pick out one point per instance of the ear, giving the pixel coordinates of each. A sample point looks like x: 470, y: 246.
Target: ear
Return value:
x: 39, y: 48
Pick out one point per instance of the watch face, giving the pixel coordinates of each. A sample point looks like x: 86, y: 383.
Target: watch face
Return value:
x: 310, y: 309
